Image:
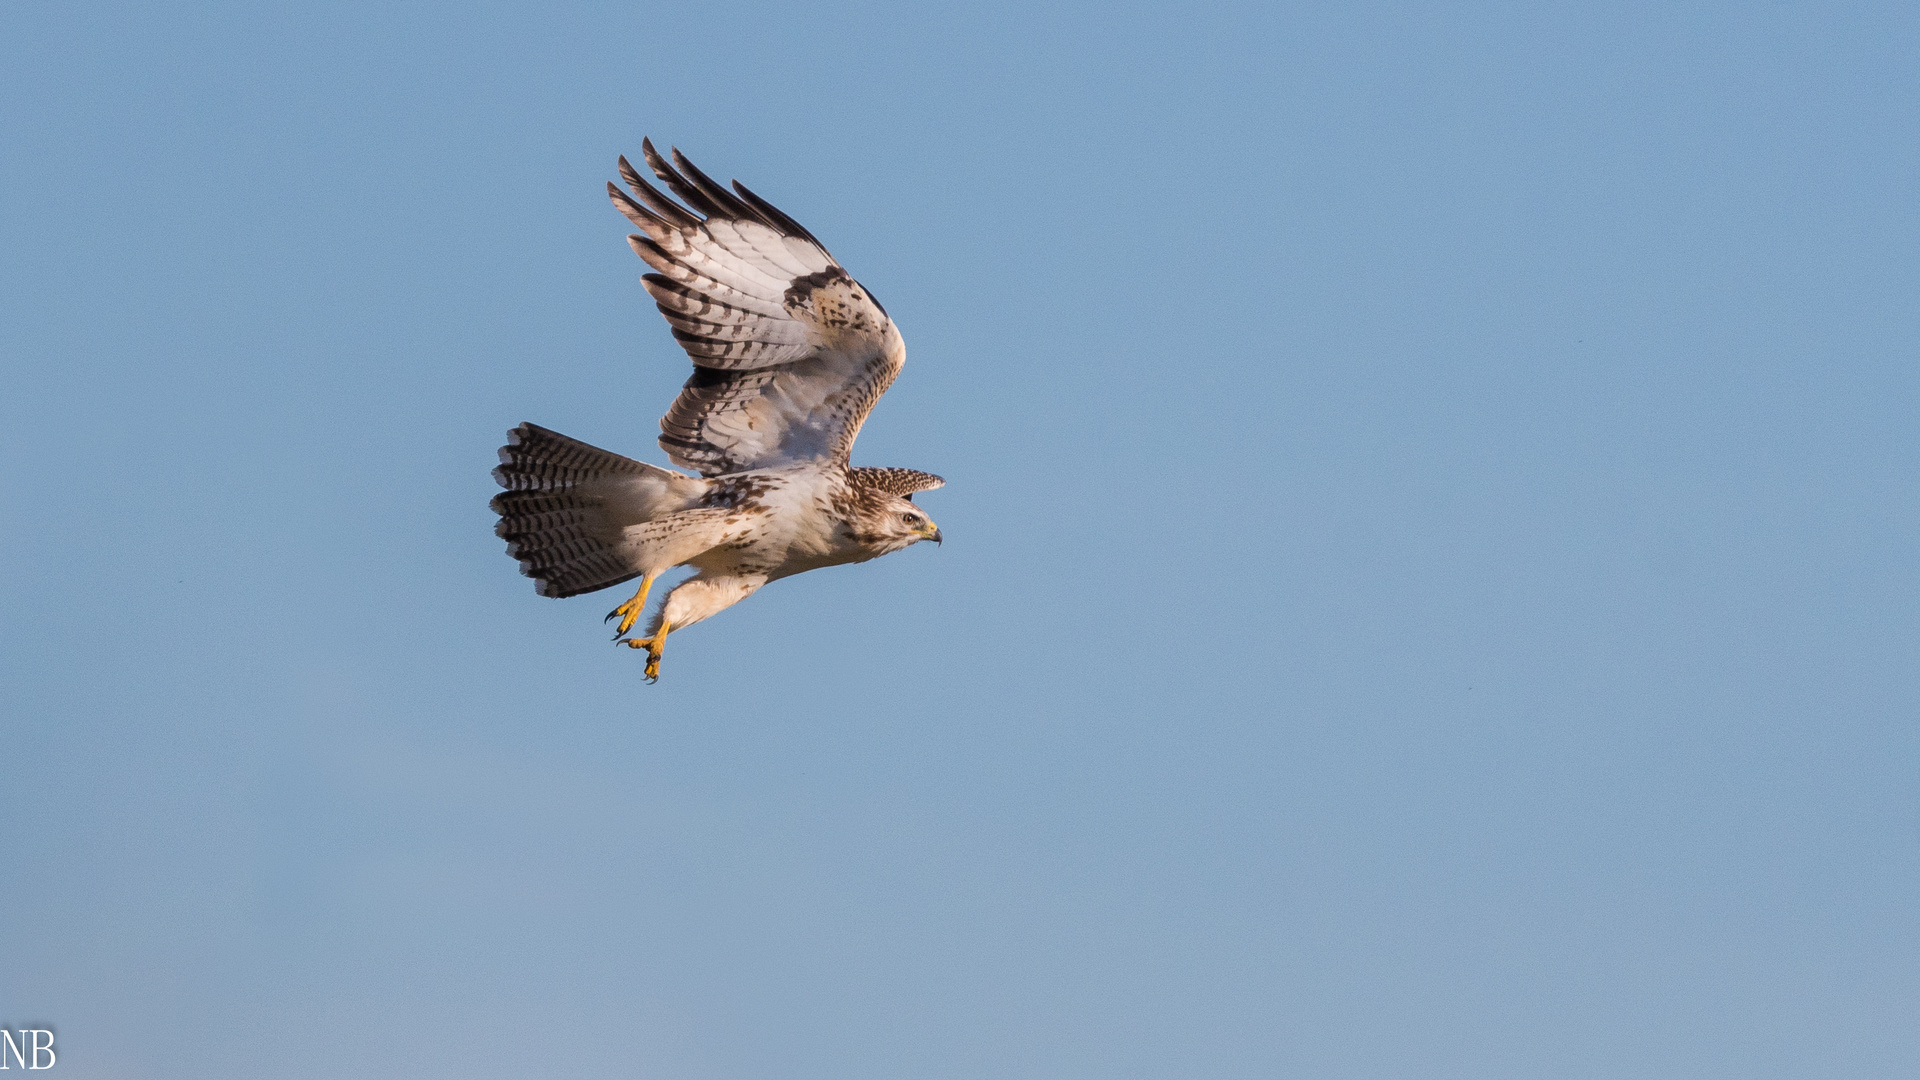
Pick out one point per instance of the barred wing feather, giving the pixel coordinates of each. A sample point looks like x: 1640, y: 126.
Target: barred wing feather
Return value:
x: 790, y: 353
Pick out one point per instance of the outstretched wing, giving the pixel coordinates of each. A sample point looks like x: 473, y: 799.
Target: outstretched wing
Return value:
x: 789, y: 353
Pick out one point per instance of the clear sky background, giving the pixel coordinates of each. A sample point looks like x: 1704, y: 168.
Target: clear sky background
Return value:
x: 1432, y: 580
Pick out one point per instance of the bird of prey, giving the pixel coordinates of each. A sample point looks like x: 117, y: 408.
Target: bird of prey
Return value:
x: 789, y: 354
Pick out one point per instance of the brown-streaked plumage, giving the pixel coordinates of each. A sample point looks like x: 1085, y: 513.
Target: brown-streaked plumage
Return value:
x: 790, y: 354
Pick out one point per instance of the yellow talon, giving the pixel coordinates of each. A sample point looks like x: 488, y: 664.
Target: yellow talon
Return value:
x: 629, y: 612
x: 654, y: 645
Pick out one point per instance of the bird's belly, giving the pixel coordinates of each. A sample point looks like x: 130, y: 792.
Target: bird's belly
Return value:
x: 813, y: 548
x: 783, y: 543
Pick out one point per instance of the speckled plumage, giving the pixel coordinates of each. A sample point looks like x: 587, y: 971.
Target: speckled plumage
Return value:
x: 790, y: 355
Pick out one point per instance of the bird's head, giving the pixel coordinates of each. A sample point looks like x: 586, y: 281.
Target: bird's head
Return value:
x: 880, y: 511
x: 910, y: 523
x: 887, y: 523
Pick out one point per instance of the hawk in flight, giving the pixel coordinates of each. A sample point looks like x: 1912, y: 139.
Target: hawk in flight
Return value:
x: 789, y: 356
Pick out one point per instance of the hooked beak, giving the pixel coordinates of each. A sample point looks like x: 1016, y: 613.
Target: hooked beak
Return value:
x: 936, y: 534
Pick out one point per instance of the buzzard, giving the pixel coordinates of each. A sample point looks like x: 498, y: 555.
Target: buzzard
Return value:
x: 789, y: 354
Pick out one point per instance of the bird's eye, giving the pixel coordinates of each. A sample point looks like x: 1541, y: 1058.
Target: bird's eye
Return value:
x: 911, y: 519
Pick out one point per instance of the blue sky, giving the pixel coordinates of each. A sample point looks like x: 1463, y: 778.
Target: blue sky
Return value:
x: 1430, y: 585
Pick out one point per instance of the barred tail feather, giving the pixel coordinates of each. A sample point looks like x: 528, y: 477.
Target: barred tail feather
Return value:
x: 568, y: 504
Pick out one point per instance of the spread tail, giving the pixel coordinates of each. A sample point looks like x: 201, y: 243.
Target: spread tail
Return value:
x: 568, y: 504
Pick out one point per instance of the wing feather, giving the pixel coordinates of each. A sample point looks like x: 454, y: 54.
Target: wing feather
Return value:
x: 704, y: 252
x: 748, y: 297
x: 902, y: 482
x: 727, y: 204
x: 760, y: 245
x: 671, y: 211
x: 793, y: 231
x: 790, y: 353
x: 707, y: 316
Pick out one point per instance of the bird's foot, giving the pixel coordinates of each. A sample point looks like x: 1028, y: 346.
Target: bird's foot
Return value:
x: 654, y: 645
x: 629, y: 612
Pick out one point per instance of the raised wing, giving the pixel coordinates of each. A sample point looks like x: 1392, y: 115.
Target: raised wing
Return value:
x: 790, y: 354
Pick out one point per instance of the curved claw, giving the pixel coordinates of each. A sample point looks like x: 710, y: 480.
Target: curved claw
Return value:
x: 629, y: 612
x: 654, y: 645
